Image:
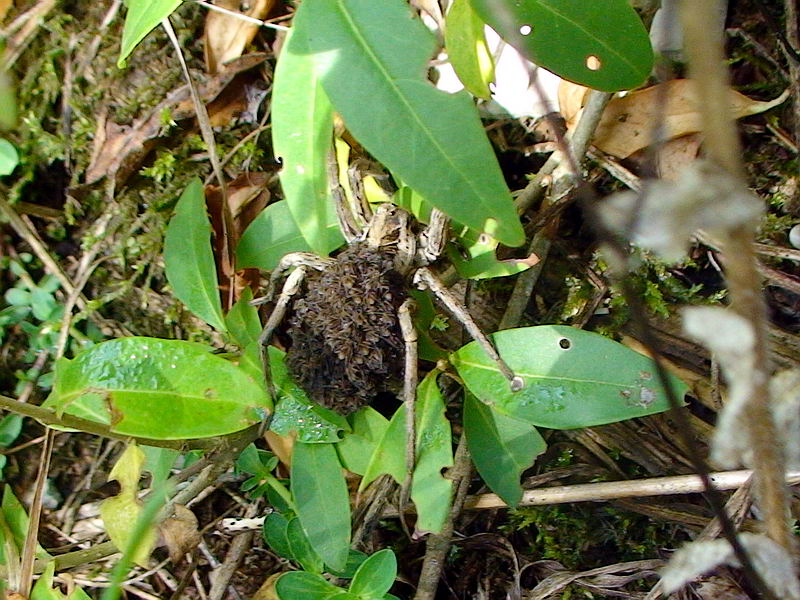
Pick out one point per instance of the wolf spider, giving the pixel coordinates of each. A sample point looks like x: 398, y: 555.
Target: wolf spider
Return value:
x: 352, y: 324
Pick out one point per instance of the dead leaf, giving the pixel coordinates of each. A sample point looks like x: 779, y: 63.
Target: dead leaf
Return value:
x: 247, y: 197
x: 118, y: 150
x: 4, y: 6
x: 227, y: 36
x: 628, y: 122
x: 571, y: 98
x: 281, y: 446
x: 239, y: 101
x: 181, y: 533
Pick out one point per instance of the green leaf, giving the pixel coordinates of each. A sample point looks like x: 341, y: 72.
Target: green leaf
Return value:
x: 274, y: 233
x: 482, y: 261
x: 9, y: 159
x: 375, y: 575
x: 276, y: 534
x: 47, y: 589
x: 389, y: 455
x: 501, y: 447
x: 302, y: 123
x: 602, y: 45
x: 188, y: 258
x: 161, y: 389
x: 143, y: 16
x: 298, y: 585
x: 572, y: 378
x: 301, y: 549
x: 10, y: 428
x: 242, y: 320
x: 159, y: 462
x: 432, y: 140
x: 430, y: 490
x: 357, y: 446
x: 14, y: 528
x: 322, y: 501
x: 467, y: 49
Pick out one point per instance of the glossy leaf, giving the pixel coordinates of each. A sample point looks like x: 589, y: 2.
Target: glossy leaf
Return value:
x: 161, y: 389
x: 143, y: 16
x: 573, y: 378
x: 501, y: 447
x: 467, y: 49
x: 481, y: 260
x: 356, y: 447
x: 274, y: 233
x: 388, y: 458
x: 242, y: 320
x: 120, y: 513
x: 322, y: 501
x: 301, y: 550
x: 188, y: 259
x: 375, y: 575
x: 432, y: 140
x: 302, y: 123
x: 602, y: 45
x: 295, y: 412
x: 299, y: 585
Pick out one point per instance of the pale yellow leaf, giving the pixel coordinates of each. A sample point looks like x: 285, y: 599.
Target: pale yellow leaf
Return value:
x: 121, y: 512
x: 226, y: 36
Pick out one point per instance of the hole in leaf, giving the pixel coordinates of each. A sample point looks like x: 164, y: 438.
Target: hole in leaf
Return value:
x: 525, y: 30
x: 564, y: 343
x: 593, y: 63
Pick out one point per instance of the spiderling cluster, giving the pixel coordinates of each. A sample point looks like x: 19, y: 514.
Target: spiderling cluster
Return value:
x: 346, y: 340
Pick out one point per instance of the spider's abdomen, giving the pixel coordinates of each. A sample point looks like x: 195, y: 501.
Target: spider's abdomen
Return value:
x: 346, y: 340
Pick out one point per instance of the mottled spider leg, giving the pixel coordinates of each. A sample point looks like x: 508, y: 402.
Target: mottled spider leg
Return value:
x: 293, y: 259
x: 351, y: 221
x: 290, y: 288
x: 425, y: 278
x: 433, y: 238
x: 409, y: 333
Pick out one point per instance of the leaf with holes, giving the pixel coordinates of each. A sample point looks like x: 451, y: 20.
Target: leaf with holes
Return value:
x: 572, y: 378
x: 608, y: 47
x: 431, y: 140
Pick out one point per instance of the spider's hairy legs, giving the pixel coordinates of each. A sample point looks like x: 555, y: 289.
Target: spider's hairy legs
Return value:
x: 409, y: 333
x: 425, y: 279
x: 293, y: 259
x: 290, y: 288
x: 433, y: 238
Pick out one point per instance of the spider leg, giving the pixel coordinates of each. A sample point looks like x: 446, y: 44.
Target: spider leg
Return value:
x: 433, y: 238
x: 424, y: 278
x: 409, y: 397
x: 290, y: 288
x: 293, y: 259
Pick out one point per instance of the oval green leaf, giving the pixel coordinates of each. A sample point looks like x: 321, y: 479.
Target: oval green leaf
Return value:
x: 301, y: 550
x: 188, y: 258
x: 573, y: 378
x: 275, y: 532
x: 274, y: 233
x: 160, y: 389
x: 602, y: 45
x: 501, y: 447
x: 242, y: 320
x: 375, y: 575
x: 9, y: 159
x: 299, y: 585
x: 431, y: 140
x: 302, y: 123
x: 467, y: 49
x: 322, y: 501
x: 357, y: 446
x: 143, y: 16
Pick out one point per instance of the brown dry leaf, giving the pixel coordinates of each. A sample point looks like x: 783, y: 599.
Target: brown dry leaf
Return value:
x: 673, y: 156
x: 247, y: 197
x: 281, y: 446
x: 4, y: 6
x: 226, y: 36
x: 181, y: 533
x: 118, y: 150
x: 628, y: 122
x: 571, y: 97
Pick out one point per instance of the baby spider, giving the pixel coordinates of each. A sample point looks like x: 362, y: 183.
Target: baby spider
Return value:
x: 351, y: 326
